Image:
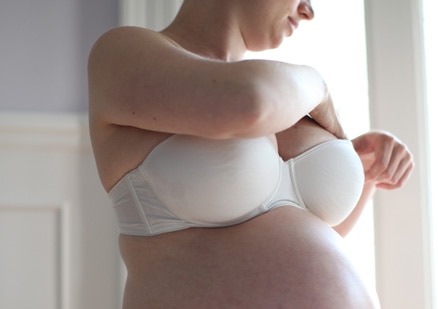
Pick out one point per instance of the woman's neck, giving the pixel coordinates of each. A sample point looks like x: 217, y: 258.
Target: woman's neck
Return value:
x: 208, y: 28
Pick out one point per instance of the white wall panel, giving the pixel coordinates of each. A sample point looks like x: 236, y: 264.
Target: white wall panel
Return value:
x: 58, y: 239
x: 31, y: 259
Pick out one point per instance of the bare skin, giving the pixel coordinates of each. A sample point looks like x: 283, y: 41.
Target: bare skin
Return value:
x: 145, y: 86
x: 286, y: 258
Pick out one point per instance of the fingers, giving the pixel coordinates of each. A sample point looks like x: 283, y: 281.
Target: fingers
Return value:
x: 387, y: 162
x: 398, y: 180
x: 392, y: 166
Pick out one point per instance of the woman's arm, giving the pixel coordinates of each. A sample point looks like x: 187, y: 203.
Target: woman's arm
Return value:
x: 142, y: 79
x: 387, y: 163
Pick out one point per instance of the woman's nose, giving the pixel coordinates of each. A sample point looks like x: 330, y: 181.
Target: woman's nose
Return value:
x: 305, y: 11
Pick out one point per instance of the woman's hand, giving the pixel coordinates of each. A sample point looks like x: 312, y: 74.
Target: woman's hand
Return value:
x: 388, y: 163
x: 326, y: 116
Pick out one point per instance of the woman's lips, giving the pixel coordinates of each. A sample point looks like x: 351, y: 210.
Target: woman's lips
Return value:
x: 293, y: 23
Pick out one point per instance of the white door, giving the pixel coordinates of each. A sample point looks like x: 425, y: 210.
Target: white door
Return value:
x: 58, y: 240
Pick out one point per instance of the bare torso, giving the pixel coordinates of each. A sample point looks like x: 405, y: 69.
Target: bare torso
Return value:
x: 286, y: 258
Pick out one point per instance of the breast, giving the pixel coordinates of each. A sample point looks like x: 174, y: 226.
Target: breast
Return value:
x: 329, y: 179
x: 213, y: 181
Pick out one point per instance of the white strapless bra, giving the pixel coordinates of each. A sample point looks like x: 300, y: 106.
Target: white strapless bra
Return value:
x: 188, y: 181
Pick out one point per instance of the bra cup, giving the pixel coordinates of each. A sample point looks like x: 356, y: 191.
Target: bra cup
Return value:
x: 194, y: 182
x: 213, y: 181
x: 329, y: 180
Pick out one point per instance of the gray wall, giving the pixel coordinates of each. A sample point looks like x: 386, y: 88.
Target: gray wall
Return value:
x: 44, y: 46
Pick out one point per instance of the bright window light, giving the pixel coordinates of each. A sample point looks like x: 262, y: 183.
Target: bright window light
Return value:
x: 431, y: 49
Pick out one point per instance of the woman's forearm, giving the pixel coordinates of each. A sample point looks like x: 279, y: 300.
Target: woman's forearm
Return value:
x: 284, y: 93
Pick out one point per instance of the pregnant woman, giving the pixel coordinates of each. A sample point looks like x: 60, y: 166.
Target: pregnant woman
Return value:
x: 232, y: 180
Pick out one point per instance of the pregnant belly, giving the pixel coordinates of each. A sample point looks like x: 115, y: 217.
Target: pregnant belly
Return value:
x: 283, y: 258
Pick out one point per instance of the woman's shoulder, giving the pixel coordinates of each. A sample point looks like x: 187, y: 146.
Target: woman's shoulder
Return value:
x: 128, y: 38
x: 128, y: 32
